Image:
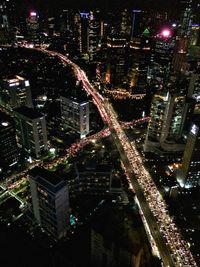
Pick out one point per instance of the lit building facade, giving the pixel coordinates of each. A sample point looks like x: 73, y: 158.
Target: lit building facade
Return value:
x: 75, y: 112
x: 93, y: 35
x: 139, y: 60
x: 7, y: 14
x: 161, y: 58
x: 93, y: 179
x: 31, y: 131
x: 15, y: 92
x: 136, y: 25
x: 169, y: 116
x: 83, y: 31
x: 50, y: 200
x: 116, y: 65
x: 9, y: 152
x: 189, y: 173
x: 32, y: 24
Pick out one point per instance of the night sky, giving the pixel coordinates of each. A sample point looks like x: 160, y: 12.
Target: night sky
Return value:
x: 53, y: 5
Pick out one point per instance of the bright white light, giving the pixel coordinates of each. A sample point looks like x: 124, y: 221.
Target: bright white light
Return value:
x: 5, y: 123
x: 52, y: 150
x: 33, y: 14
x: 27, y: 83
x: 166, y: 33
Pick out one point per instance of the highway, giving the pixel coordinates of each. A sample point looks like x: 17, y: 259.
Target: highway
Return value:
x: 173, y: 250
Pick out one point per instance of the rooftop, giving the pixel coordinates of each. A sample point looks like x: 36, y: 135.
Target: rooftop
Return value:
x: 47, y: 179
x: 28, y: 112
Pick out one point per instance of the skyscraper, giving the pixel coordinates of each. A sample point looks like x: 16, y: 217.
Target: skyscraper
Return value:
x: 15, y: 92
x: 7, y: 14
x: 50, y: 200
x: 189, y: 173
x: 31, y: 131
x: 32, y: 23
x: 9, y: 153
x: 169, y: 114
x: 116, y: 65
x: 75, y: 111
x: 83, y: 27
x: 136, y: 30
x: 186, y: 21
x: 93, y: 35
x: 162, y: 53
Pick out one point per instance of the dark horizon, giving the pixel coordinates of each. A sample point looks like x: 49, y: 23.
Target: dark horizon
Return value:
x: 50, y: 6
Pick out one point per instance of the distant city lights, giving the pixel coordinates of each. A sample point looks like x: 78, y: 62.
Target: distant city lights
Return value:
x: 33, y: 14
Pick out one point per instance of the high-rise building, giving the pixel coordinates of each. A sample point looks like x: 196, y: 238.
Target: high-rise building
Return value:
x: 50, y: 200
x: 32, y: 23
x: 139, y: 60
x: 170, y: 112
x: 93, y: 179
x: 7, y: 14
x: 125, y: 25
x: 83, y: 27
x: 186, y: 21
x: 180, y: 54
x: 189, y: 173
x: 117, y: 60
x: 75, y: 111
x: 136, y: 27
x: 9, y: 153
x: 31, y: 131
x: 93, y: 35
x: 15, y: 92
x: 161, y: 58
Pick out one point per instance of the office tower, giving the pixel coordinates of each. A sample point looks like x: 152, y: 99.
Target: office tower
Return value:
x: 125, y: 25
x: 50, y: 200
x: 82, y: 22
x: 15, y: 92
x: 116, y: 65
x: 139, y: 60
x: 93, y: 35
x: 75, y: 111
x: 179, y: 60
x: 136, y: 25
x: 32, y: 24
x: 64, y: 21
x: 162, y: 53
x: 189, y: 173
x: 186, y: 20
x: 93, y: 179
x: 7, y: 14
x: 31, y: 131
x: 170, y: 115
x: 9, y: 153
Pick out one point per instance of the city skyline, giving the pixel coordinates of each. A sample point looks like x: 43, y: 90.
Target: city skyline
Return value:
x: 99, y: 136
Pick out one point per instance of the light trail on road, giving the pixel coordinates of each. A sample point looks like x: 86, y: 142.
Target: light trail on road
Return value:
x: 172, y: 248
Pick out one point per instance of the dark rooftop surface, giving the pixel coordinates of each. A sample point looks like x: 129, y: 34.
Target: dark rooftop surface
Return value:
x: 28, y: 112
x: 47, y: 179
x: 93, y: 168
x: 76, y: 94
